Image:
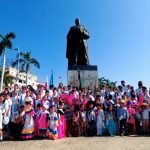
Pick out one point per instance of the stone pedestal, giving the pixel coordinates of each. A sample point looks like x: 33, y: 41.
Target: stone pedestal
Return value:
x: 86, y: 76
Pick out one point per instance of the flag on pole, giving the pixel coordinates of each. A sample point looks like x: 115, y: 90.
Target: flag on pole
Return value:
x: 79, y: 79
x: 51, y: 79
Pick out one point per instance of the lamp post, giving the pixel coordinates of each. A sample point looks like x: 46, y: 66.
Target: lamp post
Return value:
x: 17, y: 75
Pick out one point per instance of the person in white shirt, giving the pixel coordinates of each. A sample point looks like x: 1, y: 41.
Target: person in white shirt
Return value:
x: 120, y: 91
x: 41, y: 90
x: 45, y: 101
x: 15, y: 90
x: 139, y: 89
x: 8, y: 105
x: 124, y: 87
x: 55, y: 93
x: 100, y: 119
x: 22, y: 95
x: 51, y: 92
x: 15, y: 102
x: 38, y: 99
x: 2, y: 110
x: 91, y: 97
x: 28, y: 96
x: 145, y: 117
x: 16, y: 123
x: 103, y: 93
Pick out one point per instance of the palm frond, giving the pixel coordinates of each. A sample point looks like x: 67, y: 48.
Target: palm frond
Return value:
x: 10, y: 35
x: 1, y: 36
x: 35, y: 63
x: 25, y: 55
x: 8, y: 44
x: 1, y: 49
x: 22, y: 53
x: 15, y: 63
x: 6, y: 41
x: 27, y: 67
x: 23, y: 66
x: 1, y: 46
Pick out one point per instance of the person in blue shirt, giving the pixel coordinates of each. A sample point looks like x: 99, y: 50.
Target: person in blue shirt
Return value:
x: 122, y: 116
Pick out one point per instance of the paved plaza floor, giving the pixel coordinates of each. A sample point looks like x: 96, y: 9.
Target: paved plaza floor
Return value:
x: 81, y: 143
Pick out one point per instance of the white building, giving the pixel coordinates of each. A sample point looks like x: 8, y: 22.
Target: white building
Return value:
x: 32, y: 79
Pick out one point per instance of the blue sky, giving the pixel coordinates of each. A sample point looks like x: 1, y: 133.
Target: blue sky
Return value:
x: 119, y: 30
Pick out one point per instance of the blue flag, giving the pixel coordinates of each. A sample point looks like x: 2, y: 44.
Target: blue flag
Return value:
x: 51, y: 79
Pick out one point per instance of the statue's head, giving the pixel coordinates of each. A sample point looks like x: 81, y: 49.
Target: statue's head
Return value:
x: 77, y: 21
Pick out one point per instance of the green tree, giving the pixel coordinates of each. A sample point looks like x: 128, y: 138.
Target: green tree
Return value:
x: 107, y: 83
x: 25, y: 62
x: 4, y: 44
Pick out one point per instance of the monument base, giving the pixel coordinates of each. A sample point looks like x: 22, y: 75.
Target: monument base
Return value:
x: 82, y: 76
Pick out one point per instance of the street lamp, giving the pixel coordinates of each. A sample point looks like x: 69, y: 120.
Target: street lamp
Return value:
x: 17, y: 76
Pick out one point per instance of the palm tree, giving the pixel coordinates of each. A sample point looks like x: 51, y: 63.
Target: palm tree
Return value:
x: 101, y: 82
x: 107, y: 83
x: 7, y: 79
x: 25, y: 62
x: 4, y: 44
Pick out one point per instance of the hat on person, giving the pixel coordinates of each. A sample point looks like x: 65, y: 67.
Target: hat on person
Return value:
x: 111, y: 102
x: 28, y: 100
x: 144, y: 104
x: 46, y: 106
x: 122, y: 102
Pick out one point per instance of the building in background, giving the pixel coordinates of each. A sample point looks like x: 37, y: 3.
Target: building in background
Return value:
x: 32, y: 80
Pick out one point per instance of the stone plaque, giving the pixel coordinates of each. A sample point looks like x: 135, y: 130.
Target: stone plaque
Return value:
x: 83, y: 76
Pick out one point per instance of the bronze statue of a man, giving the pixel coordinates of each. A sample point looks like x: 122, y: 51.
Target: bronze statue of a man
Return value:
x: 77, y: 49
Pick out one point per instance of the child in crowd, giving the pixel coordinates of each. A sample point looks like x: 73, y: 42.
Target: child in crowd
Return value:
x: 38, y: 100
x: 122, y: 116
x: 137, y: 119
x: 45, y: 102
x: 37, y: 119
x: 68, y: 116
x: 19, y: 121
x: 2, y: 110
x: 43, y: 121
x: 83, y: 120
x: 145, y: 117
x: 111, y: 120
x: 91, y: 118
x: 53, y: 124
x: 28, y: 131
x: 15, y: 102
x: 131, y: 120
x: 75, y: 128
x: 16, y: 124
x: 61, y: 121
x: 100, y: 118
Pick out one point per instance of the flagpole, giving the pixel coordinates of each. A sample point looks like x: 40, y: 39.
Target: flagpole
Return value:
x: 17, y: 75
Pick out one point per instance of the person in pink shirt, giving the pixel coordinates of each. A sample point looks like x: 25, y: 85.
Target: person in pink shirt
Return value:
x: 131, y: 120
x: 82, y: 99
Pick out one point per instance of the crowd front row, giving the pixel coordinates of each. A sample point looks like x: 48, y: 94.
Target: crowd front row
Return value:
x: 27, y: 115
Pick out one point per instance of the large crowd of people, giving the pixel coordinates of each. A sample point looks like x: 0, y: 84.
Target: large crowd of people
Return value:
x: 67, y: 111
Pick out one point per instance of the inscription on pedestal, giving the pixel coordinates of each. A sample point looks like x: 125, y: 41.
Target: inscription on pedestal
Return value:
x: 83, y: 76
